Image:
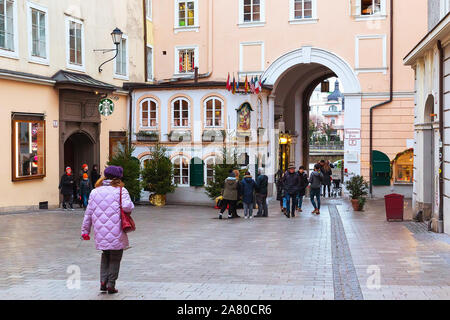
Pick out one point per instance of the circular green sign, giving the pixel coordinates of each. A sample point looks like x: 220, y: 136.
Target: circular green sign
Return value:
x: 106, y: 107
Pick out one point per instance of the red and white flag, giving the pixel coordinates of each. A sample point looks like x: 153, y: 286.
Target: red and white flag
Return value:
x: 228, y: 83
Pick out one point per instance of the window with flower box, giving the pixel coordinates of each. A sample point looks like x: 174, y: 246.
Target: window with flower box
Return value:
x: 180, y: 113
x: 213, y: 113
x: 149, y: 113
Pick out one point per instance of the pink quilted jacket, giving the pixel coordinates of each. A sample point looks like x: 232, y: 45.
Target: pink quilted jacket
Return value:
x: 103, y: 212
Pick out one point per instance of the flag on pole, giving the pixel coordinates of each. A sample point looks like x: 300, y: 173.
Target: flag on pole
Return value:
x: 228, y: 82
x: 234, y: 85
x: 257, y: 86
x: 252, y: 85
x: 237, y: 84
x: 246, y: 84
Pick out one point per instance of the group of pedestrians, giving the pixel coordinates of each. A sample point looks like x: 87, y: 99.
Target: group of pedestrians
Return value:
x: 79, y: 188
x: 292, y: 185
x: 248, y: 190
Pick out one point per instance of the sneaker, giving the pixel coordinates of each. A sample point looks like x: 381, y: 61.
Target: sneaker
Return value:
x: 245, y: 217
x: 220, y: 217
x: 230, y: 216
x: 251, y: 217
x: 318, y: 212
x: 314, y: 212
x: 300, y: 210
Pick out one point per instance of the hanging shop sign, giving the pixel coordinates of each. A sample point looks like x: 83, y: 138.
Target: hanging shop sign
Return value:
x: 106, y: 107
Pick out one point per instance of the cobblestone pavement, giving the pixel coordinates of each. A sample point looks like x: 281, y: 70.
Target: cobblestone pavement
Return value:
x: 187, y: 253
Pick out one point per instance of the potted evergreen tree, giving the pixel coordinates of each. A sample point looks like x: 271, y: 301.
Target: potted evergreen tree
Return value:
x: 157, y: 176
x: 358, y: 189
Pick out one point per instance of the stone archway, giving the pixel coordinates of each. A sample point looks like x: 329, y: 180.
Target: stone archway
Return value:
x: 428, y: 155
x: 301, y: 68
x: 79, y: 150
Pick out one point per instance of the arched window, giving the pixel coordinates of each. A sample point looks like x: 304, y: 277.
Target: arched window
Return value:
x: 149, y: 113
x: 403, y: 167
x: 180, y: 113
x: 209, y: 170
x: 213, y: 113
x: 181, y: 171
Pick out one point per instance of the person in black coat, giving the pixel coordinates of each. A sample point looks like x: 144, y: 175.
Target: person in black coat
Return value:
x: 66, y: 186
x: 95, y: 175
x: 291, y: 182
x: 303, y: 184
x: 262, y: 183
x: 327, y: 173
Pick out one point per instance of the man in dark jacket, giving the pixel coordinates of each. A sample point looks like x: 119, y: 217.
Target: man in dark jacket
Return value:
x: 66, y: 186
x: 248, y: 186
x: 303, y: 184
x: 291, y: 182
x: 261, y: 194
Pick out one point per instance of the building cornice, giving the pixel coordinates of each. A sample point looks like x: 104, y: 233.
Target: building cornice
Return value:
x: 441, y: 30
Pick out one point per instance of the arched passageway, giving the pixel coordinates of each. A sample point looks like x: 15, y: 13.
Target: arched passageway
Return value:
x: 78, y: 150
x: 294, y: 76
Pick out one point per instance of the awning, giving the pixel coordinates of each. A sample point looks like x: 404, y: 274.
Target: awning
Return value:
x: 71, y: 79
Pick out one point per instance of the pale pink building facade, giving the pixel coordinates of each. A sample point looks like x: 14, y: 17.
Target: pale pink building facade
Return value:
x: 292, y: 45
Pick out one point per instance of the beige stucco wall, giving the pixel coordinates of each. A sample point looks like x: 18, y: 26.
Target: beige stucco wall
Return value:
x: 116, y: 122
x: 38, y: 99
x: 100, y: 17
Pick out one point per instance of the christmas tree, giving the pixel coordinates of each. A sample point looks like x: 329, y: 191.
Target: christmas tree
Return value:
x: 131, y: 170
x: 157, y: 175
x: 221, y: 173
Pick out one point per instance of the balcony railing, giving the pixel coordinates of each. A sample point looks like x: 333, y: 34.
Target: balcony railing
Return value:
x: 329, y: 145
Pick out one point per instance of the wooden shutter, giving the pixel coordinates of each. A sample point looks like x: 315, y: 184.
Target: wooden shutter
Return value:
x: 197, y: 172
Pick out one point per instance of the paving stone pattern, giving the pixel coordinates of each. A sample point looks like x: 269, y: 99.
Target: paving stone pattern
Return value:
x: 182, y: 252
x: 346, y: 283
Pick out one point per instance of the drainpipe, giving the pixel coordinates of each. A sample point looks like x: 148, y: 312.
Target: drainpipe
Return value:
x: 391, y: 94
x: 130, y: 120
x: 145, y: 41
x: 441, y: 132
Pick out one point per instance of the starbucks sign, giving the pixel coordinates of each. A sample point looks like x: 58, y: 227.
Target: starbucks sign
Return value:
x: 106, y: 107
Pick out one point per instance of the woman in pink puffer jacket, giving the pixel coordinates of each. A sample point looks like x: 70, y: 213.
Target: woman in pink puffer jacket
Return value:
x: 103, y: 213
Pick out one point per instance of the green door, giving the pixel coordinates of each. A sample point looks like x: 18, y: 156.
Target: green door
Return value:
x: 197, y: 172
x: 381, y: 174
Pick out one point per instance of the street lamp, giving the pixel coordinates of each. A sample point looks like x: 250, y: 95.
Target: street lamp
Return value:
x: 117, y: 40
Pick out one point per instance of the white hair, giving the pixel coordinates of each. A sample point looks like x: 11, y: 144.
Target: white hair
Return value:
x: 261, y: 170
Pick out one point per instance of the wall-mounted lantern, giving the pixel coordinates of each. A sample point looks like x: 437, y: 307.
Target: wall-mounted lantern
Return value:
x: 117, y: 40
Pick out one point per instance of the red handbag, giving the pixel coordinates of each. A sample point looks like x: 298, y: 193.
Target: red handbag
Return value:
x: 128, y: 224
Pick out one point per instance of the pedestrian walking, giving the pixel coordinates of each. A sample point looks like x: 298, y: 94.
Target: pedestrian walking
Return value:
x: 248, y: 186
x: 291, y: 182
x: 66, y: 186
x: 95, y: 175
x: 85, y: 190
x: 280, y: 189
x: 104, y: 215
x: 237, y: 175
x: 230, y: 196
x: 316, y: 179
x: 303, y: 184
x: 262, y: 183
x: 327, y: 173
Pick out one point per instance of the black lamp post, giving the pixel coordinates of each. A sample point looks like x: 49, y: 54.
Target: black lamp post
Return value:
x: 117, y: 39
